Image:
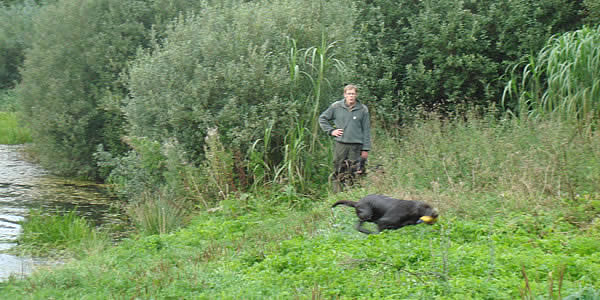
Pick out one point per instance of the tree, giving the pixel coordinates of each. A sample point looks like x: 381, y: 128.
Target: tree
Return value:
x: 71, y: 87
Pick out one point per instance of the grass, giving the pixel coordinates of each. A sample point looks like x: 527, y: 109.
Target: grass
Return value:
x: 11, y: 132
x: 520, y: 216
x: 58, y: 234
x: 317, y: 254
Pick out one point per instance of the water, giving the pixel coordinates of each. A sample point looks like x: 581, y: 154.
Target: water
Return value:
x: 23, y: 186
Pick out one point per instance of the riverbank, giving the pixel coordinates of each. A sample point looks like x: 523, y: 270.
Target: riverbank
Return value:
x: 26, y: 187
x: 519, y: 217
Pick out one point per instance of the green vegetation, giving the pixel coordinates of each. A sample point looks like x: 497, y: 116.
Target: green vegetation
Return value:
x: 561, y: 81
x: 57, y: 234
x: 503, y: 232
x: 173, y: 69
x: 201, y: 117
x: 11, y: 132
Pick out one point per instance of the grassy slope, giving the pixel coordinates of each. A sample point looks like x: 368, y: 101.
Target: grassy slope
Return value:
x: 315, y: 253
x: 514, y: 200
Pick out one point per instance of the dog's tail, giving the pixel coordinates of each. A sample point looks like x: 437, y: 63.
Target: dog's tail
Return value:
x: 344, y: 202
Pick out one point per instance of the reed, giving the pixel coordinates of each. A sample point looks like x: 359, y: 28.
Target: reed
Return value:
x: 562, y: 81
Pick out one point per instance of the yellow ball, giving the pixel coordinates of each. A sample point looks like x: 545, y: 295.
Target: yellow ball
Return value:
x: 428, y: 219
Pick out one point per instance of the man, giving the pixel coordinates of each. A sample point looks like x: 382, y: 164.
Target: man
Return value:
x: 351, y: 130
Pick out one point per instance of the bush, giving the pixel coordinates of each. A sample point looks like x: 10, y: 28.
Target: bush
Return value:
x: 71, y: 88
x: 244, y: 69
x: 441, y: 54
x: 16, y: 25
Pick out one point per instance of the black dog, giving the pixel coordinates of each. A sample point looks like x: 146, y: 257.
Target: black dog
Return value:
x: 390, y: 213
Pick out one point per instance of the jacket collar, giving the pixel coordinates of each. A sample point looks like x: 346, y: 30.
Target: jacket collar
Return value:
x: 357, y: 105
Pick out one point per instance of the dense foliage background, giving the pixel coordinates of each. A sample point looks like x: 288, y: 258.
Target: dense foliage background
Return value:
x: 200, y: 99
x: 91, y: 72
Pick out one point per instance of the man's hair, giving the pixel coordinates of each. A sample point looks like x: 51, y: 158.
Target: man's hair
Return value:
x: 350, y: 87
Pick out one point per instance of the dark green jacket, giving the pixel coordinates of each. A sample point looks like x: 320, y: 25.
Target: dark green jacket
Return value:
x: 355, y: 122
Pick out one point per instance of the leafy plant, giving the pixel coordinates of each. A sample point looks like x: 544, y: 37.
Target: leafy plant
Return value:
x: 16, y: 24
x: 561, y: 81
x: 440, y: 55
x: 71, y: 87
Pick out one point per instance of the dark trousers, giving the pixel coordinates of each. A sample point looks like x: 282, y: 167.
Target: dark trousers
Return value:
x: 345, y: 152
x: 342, y: 174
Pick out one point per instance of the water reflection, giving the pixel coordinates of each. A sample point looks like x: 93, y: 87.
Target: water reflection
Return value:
x: 24, y: 186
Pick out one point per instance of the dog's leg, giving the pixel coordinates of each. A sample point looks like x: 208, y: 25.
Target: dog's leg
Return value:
x: 361, y: 229
x: 387, y: 223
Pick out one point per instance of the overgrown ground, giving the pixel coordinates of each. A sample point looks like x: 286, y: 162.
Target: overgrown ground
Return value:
x: 519, y: 205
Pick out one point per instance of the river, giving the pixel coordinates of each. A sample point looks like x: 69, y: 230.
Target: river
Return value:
x: 23, y: 186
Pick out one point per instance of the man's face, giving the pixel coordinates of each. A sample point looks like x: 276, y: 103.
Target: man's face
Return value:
x: 350, y: 96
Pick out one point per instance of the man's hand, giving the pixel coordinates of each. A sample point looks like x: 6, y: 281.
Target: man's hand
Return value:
x: 364, y: 154
x: 337, y: 132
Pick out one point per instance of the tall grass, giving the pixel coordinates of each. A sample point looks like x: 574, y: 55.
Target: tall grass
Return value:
x: 157, y: 213
x: 482, y: 165
x: 562, y: 81
x: 11, y: 132
x: 49, y: 234
x: 314, y: 68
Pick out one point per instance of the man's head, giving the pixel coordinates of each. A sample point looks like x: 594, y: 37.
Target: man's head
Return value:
x: 350, y: 94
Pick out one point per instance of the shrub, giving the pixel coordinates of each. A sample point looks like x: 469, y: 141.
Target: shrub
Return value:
x: 16, y: 24
x: 71, y: 88
x: 441, y: 54
x: 241, y: 68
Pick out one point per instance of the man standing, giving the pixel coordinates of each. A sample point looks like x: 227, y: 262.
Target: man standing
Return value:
x: 351, y: 130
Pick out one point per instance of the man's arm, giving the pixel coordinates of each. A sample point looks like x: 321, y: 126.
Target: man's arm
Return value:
x: 324, y: 120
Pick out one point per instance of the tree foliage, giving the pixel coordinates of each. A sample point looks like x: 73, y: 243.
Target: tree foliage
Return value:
x: 242, y: 69
x: 99, y: 73
x: 71, y: 87
x: 440, y: 54
x: 16, y: 24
